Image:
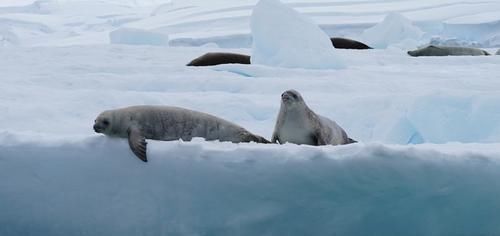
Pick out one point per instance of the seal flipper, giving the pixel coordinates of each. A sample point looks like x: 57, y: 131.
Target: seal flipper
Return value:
x: 275, y: 138
x: 137, y: 143
x: 318, y: 138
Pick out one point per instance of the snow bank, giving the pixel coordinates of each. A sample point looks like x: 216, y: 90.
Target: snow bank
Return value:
x: 95, y: 186
x: 395, y: 30
x: 137, y: 37
x: 282, y: 37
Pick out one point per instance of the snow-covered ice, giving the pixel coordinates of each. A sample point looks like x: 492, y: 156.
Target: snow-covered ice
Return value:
x: 282, y: 37
x: 429, y: 128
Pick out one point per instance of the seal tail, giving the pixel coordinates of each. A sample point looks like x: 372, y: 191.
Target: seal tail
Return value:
x: 350, y: 140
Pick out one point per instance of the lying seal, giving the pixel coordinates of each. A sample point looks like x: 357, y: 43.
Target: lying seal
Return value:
x: 217, y: 58
x: 345, y: 43
x: 447, y: 51
x: 298, y: 124
x: 138, y: 123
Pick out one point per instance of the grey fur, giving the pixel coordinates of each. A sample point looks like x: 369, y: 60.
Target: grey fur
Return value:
x: 167, y: 123
x: 297, y: 123
x: 447, y: 51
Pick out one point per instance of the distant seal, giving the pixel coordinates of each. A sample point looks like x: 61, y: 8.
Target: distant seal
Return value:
x: 498, y: 52
x: 447, y: 51
x: 298, y: 124
x: 217, y: 58
x: 167, y: 123
x: 345, y: 43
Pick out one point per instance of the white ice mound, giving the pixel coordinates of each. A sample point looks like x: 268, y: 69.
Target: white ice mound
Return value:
x: 282, y: 37
x: 137, y: 37
x: 395, y: 30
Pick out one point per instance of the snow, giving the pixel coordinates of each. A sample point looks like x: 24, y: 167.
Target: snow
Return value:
x: 282, y: 37
x: 137, y: 37
x: 427, y: 161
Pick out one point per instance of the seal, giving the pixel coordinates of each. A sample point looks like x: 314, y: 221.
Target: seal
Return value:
x: 297, y: 123
x: 217, y: 58
x: 447, y: 51
x: 498, y: 52
x: 138, y: 123
x: 345, y: 43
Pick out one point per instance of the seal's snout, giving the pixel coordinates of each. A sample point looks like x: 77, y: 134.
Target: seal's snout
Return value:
x: 286, y: 97
x: 289, y: 96
x: 97, y: 129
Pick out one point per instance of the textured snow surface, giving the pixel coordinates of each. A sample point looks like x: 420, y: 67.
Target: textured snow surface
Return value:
x: 427, y: 161
x: 227, y: 22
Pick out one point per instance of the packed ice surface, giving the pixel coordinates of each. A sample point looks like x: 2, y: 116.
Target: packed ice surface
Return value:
x: 282, y: 37
x: 427, y: 161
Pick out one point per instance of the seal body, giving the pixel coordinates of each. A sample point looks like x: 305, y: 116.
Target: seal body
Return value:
x: 447, y: 51
x: 345, y: 43
x: 297, y: 123
x: 217, y: 58
x: 167, y: 123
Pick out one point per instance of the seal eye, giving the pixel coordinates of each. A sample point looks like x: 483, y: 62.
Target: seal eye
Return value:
x: 105, y: 122
x: 294, y: 96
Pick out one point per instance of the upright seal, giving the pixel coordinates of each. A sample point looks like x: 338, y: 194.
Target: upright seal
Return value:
x: 447, y: 51
x: 167, y: 123
x: 298, y: 124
